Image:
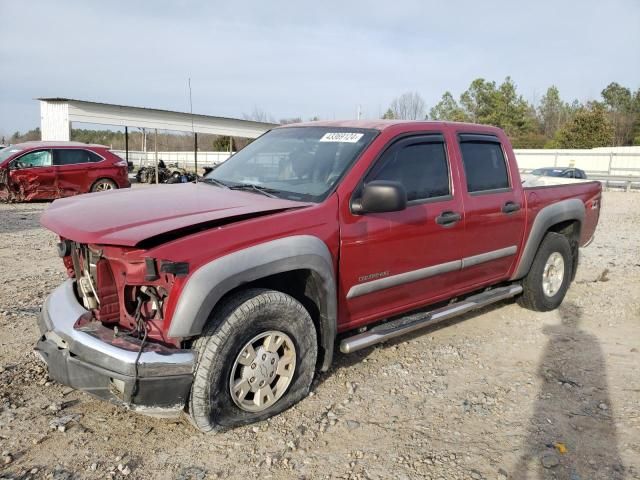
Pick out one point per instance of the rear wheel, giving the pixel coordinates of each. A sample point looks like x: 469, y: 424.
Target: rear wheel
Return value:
x: 103, y: 185
x: 548, y: 280
x: 256, y: 359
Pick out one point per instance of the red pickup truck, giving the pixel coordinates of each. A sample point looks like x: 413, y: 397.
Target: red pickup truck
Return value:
x: 226, y: 297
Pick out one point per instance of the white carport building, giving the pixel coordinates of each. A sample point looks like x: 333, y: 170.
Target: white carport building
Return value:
x: 58, y: 114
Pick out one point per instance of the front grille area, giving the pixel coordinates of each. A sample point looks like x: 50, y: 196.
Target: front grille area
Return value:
x: 96, y: 284
x: 109, y: 304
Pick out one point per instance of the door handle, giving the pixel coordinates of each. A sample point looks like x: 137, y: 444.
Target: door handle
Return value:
x: 448, y: 218
x: 510, y: 207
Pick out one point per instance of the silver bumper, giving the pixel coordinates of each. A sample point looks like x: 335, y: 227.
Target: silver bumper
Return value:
x: 97, y: 345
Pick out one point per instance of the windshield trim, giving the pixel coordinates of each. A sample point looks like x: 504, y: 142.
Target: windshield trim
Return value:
x: 286, y: 194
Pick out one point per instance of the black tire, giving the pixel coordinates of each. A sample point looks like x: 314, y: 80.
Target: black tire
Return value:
x: 533, y: 296
x: 241, y: 318
x: 104, y: 184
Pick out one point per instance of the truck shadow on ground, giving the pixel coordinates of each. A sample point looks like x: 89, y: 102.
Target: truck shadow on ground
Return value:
x: 572, y: 409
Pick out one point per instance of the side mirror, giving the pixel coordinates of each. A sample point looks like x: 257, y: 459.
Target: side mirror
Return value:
x: 381, y: 196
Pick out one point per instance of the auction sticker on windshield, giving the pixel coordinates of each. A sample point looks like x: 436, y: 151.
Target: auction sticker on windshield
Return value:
x: 348, y: 137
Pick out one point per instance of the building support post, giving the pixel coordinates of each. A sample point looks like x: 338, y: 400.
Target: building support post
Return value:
x: 126, y: 144
x: 156, y: 146
x: 195, y: 152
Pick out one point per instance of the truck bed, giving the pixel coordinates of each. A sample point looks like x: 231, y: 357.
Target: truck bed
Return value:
x: 589, y: 192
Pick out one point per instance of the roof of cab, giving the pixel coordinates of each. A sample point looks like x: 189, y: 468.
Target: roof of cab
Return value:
x: 379, y: 124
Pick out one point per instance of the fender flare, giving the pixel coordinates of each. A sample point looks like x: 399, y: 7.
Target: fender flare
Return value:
x: 569, y: 209
x: 209, y: 283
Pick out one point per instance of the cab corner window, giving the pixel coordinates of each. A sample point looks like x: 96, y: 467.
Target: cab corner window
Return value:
x: 484, y: 166
x: 41, y: 158
x: 421, y: 168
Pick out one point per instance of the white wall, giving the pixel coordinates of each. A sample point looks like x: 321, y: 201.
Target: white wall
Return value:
x: 614, y: 161
x: 54, y: 121
x: 184, y: 159
x: 610, y: 161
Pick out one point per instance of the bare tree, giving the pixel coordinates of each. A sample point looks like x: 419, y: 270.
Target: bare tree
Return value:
x: 259, y: 115
x: 408, y: 106
x: 287, y: 121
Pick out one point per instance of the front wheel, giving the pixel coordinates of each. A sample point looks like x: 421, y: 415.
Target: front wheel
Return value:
x: 256, y: 359
x: 548, y: 280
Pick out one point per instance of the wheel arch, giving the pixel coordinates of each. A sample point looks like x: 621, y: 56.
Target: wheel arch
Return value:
x: 300, y: 266
x: 565, y: 217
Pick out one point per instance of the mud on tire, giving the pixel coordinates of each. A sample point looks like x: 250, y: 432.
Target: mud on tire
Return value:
x: 245, y: 316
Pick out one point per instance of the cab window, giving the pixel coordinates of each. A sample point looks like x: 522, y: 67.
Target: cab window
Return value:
x: 484, y: 164
x: 420, y: 165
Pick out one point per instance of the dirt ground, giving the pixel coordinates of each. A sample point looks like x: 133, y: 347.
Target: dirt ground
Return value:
x: 503, y: 393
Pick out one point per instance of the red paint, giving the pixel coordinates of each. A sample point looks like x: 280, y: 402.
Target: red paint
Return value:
x: 58, y: 181
x: 127, y: 217
x: 361, y: 245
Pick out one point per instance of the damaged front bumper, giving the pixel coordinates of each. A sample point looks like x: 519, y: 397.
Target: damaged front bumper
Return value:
x: 93, y: 359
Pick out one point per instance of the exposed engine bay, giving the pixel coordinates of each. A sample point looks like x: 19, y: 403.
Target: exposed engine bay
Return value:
x: 129, y: 309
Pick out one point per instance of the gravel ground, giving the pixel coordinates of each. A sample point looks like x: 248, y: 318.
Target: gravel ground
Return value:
x: 504, y: 393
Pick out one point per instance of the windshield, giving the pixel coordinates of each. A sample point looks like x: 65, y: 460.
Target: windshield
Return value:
x: 8, y: 152
x: 548, y: 172
x: 297, y: 163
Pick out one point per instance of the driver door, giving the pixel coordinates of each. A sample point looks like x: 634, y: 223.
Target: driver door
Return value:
x: 33, y: 176
x: 397, y: 261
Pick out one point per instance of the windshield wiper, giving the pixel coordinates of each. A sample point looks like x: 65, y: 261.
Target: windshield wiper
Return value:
x: 213, y: 181
x: 269, y: 192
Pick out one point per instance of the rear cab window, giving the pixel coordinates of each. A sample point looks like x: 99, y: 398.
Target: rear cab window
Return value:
x: 484, y: 162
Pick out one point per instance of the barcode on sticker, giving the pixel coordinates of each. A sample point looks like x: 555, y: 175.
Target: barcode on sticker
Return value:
x: 347, y: 137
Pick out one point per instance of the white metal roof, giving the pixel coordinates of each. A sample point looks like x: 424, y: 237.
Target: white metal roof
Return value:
x: 54, y: 143
x: 57, y: 114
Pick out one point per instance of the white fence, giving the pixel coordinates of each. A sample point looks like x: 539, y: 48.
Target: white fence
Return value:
x: 610, y: 162
x: 613, y: 166
x: 183, y: 159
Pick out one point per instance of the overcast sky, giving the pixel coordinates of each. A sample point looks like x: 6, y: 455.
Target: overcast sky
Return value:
x: 299, y: 58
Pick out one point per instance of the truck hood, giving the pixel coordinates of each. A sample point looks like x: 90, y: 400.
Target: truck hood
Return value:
x: 128, y: 217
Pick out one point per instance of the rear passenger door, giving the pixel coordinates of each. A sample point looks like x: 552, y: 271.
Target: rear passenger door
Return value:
x: 395, y: 261
x: 74, y: 168
x: 493, y: 208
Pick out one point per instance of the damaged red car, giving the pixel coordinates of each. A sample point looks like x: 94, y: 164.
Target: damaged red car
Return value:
x: 49, y: 170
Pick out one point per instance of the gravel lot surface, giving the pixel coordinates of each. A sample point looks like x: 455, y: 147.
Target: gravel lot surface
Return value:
x: 503, y: 393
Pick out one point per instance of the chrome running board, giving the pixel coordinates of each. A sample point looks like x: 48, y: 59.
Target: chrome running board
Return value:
x: 404, y: 325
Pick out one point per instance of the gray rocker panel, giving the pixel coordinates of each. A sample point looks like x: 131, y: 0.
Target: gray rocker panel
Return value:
x: 207, y: 285
x: 570, y: 209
